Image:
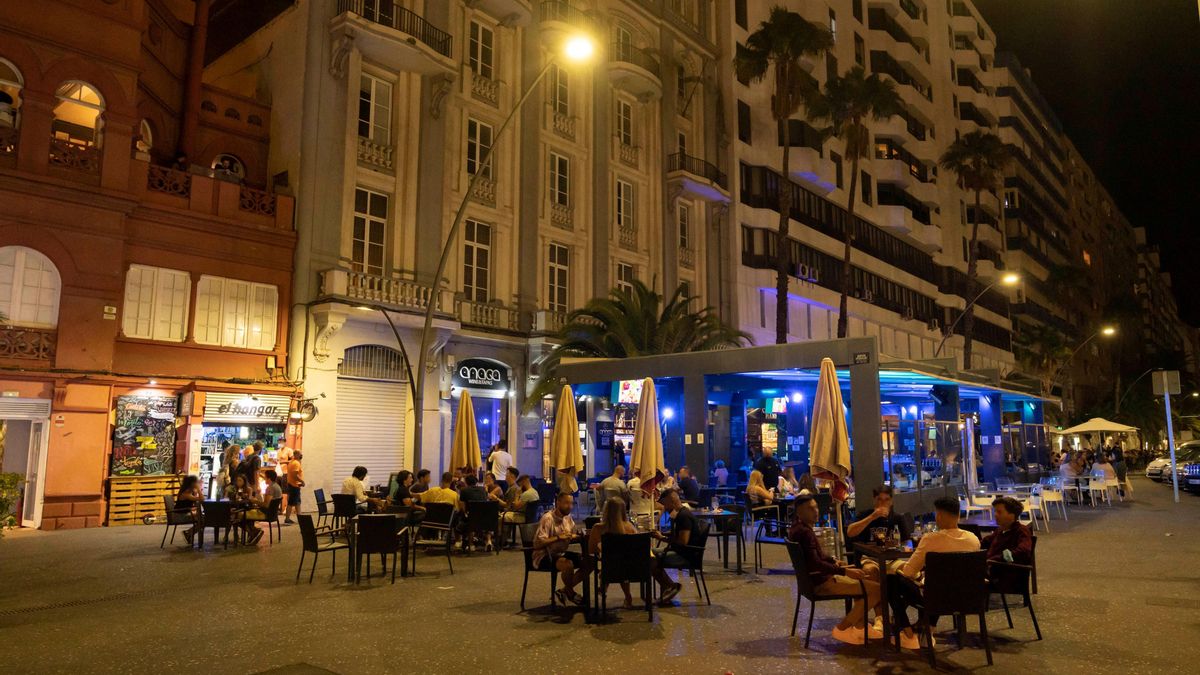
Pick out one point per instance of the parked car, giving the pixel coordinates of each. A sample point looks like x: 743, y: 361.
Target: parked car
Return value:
x: 1159, y: 469
x: 1189, y: 478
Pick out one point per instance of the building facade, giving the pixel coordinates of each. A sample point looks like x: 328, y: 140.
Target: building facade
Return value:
x: 128, y: 286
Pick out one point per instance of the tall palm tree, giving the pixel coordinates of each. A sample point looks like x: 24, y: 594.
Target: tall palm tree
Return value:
x: 1042, y: 350
x: 847, y: 104
x: 778, y: 47
x: 978, y: 159
x: 635, y: 322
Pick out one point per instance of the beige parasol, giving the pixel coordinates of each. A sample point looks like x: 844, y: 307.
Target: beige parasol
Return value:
x: 566, y: 455
x: 464, y: 452
x: 829, y: 444
x: 647, y: 456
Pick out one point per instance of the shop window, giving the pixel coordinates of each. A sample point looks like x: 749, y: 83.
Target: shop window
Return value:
x: 77, y: 114
x: 375, y: 109
x: 481, y: 50
x: 11, y: 83
x: 156, y: 303
x: 233, y: 313
x: 479, y: 144
x: 626, y: 273
x: 558, y: 276
x: 370, y: 229
x: 477, y: 261
x: 29, y: 288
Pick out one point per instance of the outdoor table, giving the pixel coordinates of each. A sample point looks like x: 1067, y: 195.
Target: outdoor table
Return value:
x: 882, y: 556
x: 709, y: 514
x: 581, y: 538
x: 982, y: 522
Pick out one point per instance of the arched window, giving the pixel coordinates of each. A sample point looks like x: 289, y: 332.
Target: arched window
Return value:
x: 145, y: 139
x: 11, y: 83
x: 77, y: 114
x: 229, y: 167
x: 29, y: 288
x: 373, y: 362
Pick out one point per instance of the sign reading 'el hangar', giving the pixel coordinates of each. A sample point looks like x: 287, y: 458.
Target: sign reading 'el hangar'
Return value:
x: 222, y: 407
x: 481, y: 374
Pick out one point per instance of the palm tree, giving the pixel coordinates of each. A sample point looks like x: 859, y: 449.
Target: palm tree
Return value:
x: 1042, y: 350
x: 635, y: 322
x: 978, y: 159
x: 779, y: 45
x: 847, y: 104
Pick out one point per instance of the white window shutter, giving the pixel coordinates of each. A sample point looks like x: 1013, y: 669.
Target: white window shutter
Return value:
x: 137, y: 315
x: 172, y: 290
x: 263, y: 311
x: 208, y: 310
x: 236, y: 313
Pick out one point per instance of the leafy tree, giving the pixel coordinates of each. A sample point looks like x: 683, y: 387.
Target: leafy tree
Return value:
x: 978, y: 158
x: 848, y: 103
x: 778, y: 47
x: 635, y: 322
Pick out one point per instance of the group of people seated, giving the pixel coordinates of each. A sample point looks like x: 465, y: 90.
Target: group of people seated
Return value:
x: 251, y: 500
x: 1011, y: 542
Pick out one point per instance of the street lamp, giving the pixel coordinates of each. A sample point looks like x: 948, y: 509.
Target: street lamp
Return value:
x: 1106, y: 331
x: 578, y: 48
x: 1007, y: 279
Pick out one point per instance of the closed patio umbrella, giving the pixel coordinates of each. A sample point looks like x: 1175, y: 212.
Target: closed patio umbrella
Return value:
x: 829, y: 443
x: 464, y: 452
x: 566, y: 455
x: 647, y: 440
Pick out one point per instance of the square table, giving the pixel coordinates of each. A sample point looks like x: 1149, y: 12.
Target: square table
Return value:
x: 721, y: 515
x: 882, y: 556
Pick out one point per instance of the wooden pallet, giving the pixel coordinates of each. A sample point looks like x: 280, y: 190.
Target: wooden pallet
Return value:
x: 132, y: 498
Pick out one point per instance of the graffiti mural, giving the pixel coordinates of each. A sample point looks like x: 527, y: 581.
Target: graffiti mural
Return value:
x: 144, y: 436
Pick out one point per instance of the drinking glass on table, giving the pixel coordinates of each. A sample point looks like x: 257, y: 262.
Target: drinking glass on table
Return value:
x: 879, y: 535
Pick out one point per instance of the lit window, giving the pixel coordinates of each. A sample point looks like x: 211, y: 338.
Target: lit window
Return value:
x: 29, y: 288
x: 375, y: 109
x: 145, y: 138
x: 228, y: 166
x: 370, y: 228
x: 156, y: 303
x: 1087, y: 258
x: 77, y: 114
x: 11, y: 83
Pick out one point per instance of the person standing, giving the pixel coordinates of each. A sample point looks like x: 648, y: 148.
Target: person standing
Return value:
x: 251, y: 463
x: 500, y: 462
x: 618, y: 454
x: 769, y: 467
x: 295, y: 481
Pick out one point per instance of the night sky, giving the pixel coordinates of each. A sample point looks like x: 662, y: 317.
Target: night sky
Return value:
x: 1124, y: 78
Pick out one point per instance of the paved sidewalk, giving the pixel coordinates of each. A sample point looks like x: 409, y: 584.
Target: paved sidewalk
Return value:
x: 1118, y: 594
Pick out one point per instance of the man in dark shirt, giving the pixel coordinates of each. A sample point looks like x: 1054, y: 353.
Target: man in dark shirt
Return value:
x: 422, y: 484
x: 689, y: 485
x: 833, y: 577
x: 769, y: 467
x: 881, y: 516
x: 251, y: 463
x: 1010, y: 536
x: 473, y: 492
x: 672, y: 555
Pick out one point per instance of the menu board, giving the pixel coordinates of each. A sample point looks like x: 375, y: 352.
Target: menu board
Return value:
x: 144, y: 436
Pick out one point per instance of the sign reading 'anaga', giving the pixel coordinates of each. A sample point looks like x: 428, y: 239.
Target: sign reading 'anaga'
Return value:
x: 481, y: 374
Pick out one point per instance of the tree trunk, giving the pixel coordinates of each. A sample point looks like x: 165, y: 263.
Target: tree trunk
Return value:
x: 843, y: 327
x: 782, y: 247
x: 972, y: 271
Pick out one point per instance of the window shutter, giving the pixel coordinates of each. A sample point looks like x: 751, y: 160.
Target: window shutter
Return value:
x: 139, y: 302
x: 172, y: 291
x: 236, y: 313
x: 207, y: 329
x: 263, y: 310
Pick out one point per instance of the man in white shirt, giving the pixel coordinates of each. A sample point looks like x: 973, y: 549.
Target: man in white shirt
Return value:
x: 501, y: 460
x: 905, y: 589
x: 614, y: 485
x: 635, y: 483
x: 353, y: 485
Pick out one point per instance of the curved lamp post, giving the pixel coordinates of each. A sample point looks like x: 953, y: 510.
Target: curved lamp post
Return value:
x: 1106, y: 331
x: 1008, y: 279
x: 577, y: 48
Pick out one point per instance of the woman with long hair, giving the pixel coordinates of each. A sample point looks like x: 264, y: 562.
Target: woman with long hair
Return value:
x: 757, y: 493
x: 613, y: 520
x: 188, y: 501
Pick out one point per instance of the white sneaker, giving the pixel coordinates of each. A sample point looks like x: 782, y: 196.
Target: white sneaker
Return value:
x: 910, y: 642
x: 850, y: 636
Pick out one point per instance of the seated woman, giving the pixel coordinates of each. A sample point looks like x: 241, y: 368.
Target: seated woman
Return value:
x: 721, y: 473
x: 614, y: 520
x: 757, y: 493
x: 239, y: 490
x: 494, y: 492
x: 788, y: 485
x: 808, y: 484
x: 260, y: 503
x: 188, y: 501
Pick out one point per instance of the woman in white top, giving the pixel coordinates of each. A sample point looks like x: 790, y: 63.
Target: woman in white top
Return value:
x: 788, y: 485
x: 721, y: 473
x: 757, y: 493
x: 1103, y: 468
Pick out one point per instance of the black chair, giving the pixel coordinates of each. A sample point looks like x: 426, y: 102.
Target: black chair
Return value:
x: 1008, y: 578
x: 345, y: 509
x: 218, y: 516
x: 436, y: 530
x: 323, y: 505
x: 770, y: 530
x: 693, y: 553
x: 308, y: 537
x: 625, y: 558
x: 955, y: 585
x: 271, y: 517
x: 528, y: 531
x: 482, y: 518
x: 532, y: 510
x: 173, y: 519
x: 379, y: 533
x: 805, y: 588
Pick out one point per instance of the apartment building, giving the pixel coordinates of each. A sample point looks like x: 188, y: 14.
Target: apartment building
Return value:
x: 606, y: 174
x: 144, y: 305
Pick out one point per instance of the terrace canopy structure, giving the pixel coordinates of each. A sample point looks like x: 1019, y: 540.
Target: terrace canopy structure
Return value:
x: 909, y: 421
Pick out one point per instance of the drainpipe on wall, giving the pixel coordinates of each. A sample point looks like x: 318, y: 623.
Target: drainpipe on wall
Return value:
x: 193, y: 79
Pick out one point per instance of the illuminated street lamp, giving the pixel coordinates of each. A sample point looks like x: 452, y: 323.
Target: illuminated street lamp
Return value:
x: 1106, y: 331
x: 578, y: 49
x: 1007, y: 279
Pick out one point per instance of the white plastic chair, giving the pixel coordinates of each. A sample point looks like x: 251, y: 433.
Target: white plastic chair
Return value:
x: 1050, y: 494
x: 1033, y: 504
x: 1094, y: 485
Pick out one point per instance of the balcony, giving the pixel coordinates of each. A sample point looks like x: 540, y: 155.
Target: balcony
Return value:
x: 634, y: 70
x: 909, y: 131
x: 906, y: 14
x: 484, y: 191
x: 393, y: 37
x: 687, y: 257
x: 548, y: 321
x: 560, y: 18
x: 563, y: 125
x: 487, y: 315
x: 401, y: 294
x: 626, y: 153
x: 965, y: 56
x: 697, y: 178
x: 924, y: 192
x: 562, y: 216
x: 375, y: 156
x: 627, y: 237
x: 484, y: 89
x: 8, y: 143
x: 509, y: 12
x: 205, y: 194
x: 72, y: 156
x: 28, y: 344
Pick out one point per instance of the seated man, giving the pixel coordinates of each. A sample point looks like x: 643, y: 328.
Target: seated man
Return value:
x: 513, y: 491
x: 473, y: 492
x: 1011, y: 542
x: 904, y: 589
x: 260, y: 503
x: 672, y: 555
x: 883, y: 515
x: 688, y: 485
x: 613, y: 485
x: 401, y: 497
x: 555, y: 532
x: 439, y: 495
x: 353, y: 485
x: 422, y: 484
x: 834, y: 577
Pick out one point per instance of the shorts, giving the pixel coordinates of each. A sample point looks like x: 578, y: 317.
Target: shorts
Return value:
x: 550, y: 562
x: 293, y: 495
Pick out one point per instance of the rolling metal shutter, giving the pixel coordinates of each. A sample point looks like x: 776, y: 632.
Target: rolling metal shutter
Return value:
x: 370, y: 428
